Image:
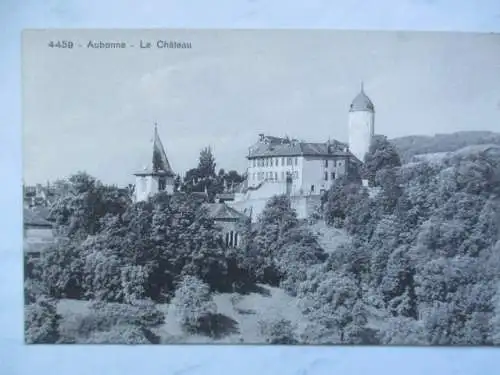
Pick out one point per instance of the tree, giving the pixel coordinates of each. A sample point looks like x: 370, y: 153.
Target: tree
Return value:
x: 203, y: 178
x: 206, y: 163
x: 41, y: 322
x: 82, y: 201
x: 398, y: 285
x: 297, y: 252
x: 340, y: 199
x: 328, y: 298
x: 61, y: 270
x: 273, y: 227
x: 495, y: 321
x: 381, y: 154
x: 193, y: 303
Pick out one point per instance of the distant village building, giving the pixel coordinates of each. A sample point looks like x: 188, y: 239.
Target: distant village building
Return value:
x: 38, y: 232
x: 37, y: 196
x: 276, y: 165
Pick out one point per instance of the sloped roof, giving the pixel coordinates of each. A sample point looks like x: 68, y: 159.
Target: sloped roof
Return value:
x: 222, y: 211
x: 288, y: 147
x: 42, y: 212
x: 31, y: 218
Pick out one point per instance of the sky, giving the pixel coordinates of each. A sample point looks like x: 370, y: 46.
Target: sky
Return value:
x: 94, y: 110
x: 17, y: 359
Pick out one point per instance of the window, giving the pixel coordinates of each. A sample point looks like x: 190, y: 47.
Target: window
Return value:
x: 326, y: 163
x: 235, y: 239
x: 296, y: 160
x: 267, y: 162
x: 312, y: 188
x: 326, y: 176
x: 282, y: 161
x: 277, y: 162
x: 335, y: 163
x: 276, y: 176
x: 289, y: 161
x: 295, y: 175
x: 162, y: 183
x: 271, y: 161
x: 333, y: 175
x: 282, y: 175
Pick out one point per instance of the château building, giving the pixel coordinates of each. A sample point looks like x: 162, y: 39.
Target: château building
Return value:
x: 276, y: 165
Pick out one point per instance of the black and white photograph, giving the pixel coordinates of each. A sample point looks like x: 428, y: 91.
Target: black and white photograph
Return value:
x: 273, y: 187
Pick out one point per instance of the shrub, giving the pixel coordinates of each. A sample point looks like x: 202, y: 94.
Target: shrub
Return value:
x: 141, y: 313
x: 105, y: 317
x: 123, y: 334
x: 313, y: 333
x: 32, y: 290
x: 193, y: 303
x: 133, y: 279
x: 278, y: 331
x: 41, y: 322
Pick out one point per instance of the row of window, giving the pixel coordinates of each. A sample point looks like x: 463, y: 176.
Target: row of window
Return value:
x: 334, y: 163
x: 332, y: 176
x: 271, y: 162
x: 274, y: 176
x: 276, y: 162
x: 232, y: 239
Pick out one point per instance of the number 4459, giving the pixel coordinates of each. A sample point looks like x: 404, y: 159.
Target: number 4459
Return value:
x: 61, y: 44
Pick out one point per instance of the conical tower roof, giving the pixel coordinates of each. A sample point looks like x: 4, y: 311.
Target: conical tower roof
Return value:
x: 159, y: 164
x: 362, y: 102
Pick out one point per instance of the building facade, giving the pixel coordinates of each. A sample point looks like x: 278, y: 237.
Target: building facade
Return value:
x: 38, y: 233
x: 278, y: 165
x: 228, y: 220
x: 157, y: 176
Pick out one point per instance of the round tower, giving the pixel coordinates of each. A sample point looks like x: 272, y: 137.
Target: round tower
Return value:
x: 361, y: 124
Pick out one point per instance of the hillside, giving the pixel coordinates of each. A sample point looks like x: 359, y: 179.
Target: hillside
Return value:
x: 412, y: 259
x: 412, y: 145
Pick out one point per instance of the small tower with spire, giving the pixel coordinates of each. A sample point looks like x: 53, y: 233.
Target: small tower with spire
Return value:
x: 361, y: 124
x: 158, y: 175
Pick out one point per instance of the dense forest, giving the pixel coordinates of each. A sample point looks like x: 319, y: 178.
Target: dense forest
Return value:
x: 421, y: 264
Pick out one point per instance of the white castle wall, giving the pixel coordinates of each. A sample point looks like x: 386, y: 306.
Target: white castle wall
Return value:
x: 255, y: 201
x: 147, y: 186
x: 361, y: 130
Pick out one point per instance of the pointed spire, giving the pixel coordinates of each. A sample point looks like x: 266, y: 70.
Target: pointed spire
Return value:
x: 362, y: 86
x: 160, y: 160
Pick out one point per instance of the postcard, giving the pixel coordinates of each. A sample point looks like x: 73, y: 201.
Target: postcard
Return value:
x: 275, y: 187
